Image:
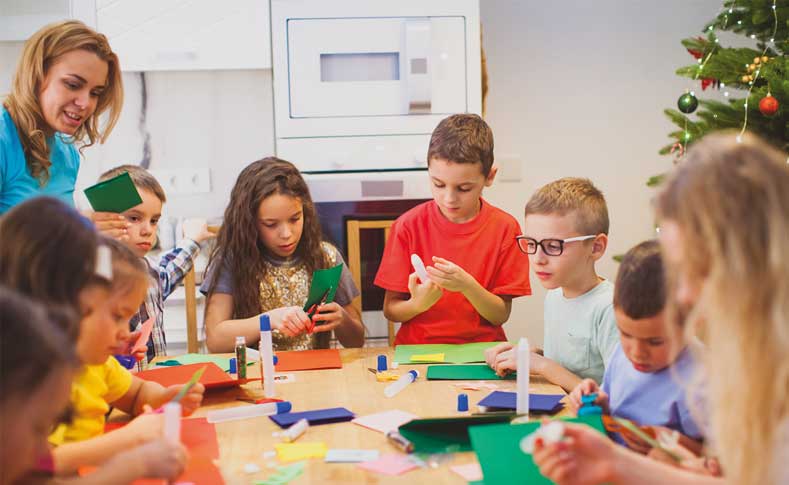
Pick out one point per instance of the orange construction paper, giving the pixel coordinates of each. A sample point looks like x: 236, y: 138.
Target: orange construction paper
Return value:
x: 213, y: 377
x: 308, y: 360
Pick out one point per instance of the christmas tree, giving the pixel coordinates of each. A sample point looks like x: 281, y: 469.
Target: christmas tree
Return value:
x: 759, y: 73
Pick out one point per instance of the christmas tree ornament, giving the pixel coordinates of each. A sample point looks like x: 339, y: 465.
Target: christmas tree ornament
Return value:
x: 757, y: 60
x: 765, y: 58
x: 687, y: 103
x: 768, y: 106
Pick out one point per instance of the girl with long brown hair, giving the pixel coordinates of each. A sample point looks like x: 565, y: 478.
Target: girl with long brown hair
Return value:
x: 269, y: 245
x: 66, y: 79
x: 724, y: 219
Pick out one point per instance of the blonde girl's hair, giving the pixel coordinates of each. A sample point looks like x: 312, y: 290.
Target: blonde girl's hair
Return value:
x: 128, y: 270
x: 730, y: 201
x: 40, y: 52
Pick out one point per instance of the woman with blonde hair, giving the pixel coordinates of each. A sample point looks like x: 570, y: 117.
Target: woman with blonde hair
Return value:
x: 66, y: 79
x: 724, y: 218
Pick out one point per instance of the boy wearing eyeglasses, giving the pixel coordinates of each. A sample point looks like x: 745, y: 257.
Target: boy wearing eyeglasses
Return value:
x: 565, y: 233
x: 474, y: 267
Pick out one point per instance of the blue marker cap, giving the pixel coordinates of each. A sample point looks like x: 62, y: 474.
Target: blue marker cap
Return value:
x: 414, y: 373
x: 462, y: 402
x: 283, y: 407
x: 265, y: 323
x: 233, y: 366
x: 381, y: 363
x: 275, y: 359
x: 127, y: 361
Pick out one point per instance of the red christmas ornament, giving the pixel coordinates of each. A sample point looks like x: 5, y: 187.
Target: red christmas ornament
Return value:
x: 768, y: 105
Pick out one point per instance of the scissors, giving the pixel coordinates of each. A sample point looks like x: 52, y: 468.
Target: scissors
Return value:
x: 314, y: 308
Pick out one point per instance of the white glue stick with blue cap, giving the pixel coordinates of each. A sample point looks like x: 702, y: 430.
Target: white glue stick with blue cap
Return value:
x: 172, y: 422
x: 246, y: 412
x: 266, y: 357
x: 400, y: 384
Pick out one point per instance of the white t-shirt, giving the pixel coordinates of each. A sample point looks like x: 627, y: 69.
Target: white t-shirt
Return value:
x: 581, y: 332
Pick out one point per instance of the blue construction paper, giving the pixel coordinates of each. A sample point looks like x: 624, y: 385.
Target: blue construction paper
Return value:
x: 319, y: 416
x: 538, y: 403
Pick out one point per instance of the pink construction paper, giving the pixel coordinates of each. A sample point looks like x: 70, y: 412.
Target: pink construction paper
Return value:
x: 145, y: 334
x: 389, y: 465
x: 385, y: 421
x: 470, y: 472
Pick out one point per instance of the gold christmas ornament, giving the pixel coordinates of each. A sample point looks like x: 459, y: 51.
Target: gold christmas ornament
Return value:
x: 757, y: 60
x: 765, y: 58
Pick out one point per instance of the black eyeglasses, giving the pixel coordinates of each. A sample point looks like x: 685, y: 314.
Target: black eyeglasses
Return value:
x: 551, y: 247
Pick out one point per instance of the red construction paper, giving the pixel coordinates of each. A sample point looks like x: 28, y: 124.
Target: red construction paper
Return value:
x: 308, y: 360
x: 213, y: 377
x: 199, y: 437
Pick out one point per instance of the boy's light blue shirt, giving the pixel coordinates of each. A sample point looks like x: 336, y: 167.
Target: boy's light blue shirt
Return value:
x: 651, y: 398
x: 16, y: 183
x: 581, y: 332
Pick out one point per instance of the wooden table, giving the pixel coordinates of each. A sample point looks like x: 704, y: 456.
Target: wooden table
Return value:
x: 353, y: 387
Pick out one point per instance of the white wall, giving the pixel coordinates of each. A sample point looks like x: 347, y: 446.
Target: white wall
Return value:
x: 576, y: 88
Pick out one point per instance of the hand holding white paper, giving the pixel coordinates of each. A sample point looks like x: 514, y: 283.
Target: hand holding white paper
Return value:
x: 419, y: 266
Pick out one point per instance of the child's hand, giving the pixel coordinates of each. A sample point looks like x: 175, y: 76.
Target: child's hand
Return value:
x: 491, y: 353
x: 506, y: 362
x: 197, y: 230
x: 290, y: 320
x: 424, y: 295
x: 110, y: 224
x: 331, y: 315
x: 584, y: 457
x: 449, y: 276
x: 191, y: 400
x: 145, y: 427
x: 587, y: 386
x: 159, y: 458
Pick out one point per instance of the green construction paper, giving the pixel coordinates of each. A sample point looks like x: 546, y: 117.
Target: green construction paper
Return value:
x: 446, y: 435
x: 464, y: 372
x: 323, y: 279
x: 283, y: 475
x: 498, y: 450
x: 453, y: 353
x: 222, y: 362
x: 117, y: 194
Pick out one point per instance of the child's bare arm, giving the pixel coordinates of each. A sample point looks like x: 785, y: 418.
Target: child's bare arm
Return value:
x: 159, y: 458
x: 449, y: 276
x: 95, y: 451
x: 143, y: 393
x: 505, y: 362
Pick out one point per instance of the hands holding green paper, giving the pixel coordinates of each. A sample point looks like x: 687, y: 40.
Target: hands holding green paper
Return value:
x: 503, y: 360
x: 293, y: 320
x: 110, y: 224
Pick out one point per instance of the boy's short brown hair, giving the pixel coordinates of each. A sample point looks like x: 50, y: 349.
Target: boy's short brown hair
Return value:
x: 463, y: 138
x: 572, y: 195
x: 141, y: 178
x: 640, y: 290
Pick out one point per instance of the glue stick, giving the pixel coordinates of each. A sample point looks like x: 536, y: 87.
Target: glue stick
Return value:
x: 172, y: 422
x: 266, y: 357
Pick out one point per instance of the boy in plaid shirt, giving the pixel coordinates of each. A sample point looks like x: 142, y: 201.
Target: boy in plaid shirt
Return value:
x: 139, y: 233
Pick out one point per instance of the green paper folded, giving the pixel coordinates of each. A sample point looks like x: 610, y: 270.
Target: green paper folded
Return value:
x: 464, y: 372
x: 185, y: 359
x: 499, y: 452
x: 453, y: 353
x: 323, y: 280
x: 117, y: 194
x: 446, y: 435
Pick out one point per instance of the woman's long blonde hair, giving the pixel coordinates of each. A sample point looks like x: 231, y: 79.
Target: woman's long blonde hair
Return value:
x: 730, y: 201
x: 40, y: 52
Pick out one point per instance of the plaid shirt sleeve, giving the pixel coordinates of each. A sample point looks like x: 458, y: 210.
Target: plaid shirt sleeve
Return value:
x: 174, y: 265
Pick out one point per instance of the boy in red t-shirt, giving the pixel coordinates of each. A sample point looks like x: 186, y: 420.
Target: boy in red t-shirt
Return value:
x: 477, y: 268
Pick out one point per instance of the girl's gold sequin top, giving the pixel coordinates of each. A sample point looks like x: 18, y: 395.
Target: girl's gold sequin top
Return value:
x: 287, y: 284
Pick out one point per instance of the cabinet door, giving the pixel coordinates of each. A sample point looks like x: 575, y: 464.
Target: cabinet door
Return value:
x: 152, y: 35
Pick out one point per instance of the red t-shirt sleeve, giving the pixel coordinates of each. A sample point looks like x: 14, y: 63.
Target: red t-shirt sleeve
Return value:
x: 512, y: 276
x: 395, y: 265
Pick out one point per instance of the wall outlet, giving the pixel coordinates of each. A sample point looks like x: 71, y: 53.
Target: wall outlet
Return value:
x: 184, y: 180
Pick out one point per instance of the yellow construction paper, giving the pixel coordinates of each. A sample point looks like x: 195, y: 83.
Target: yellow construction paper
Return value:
x: 300, y: 451
x: 427, y: 358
